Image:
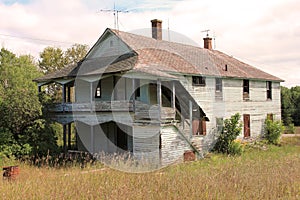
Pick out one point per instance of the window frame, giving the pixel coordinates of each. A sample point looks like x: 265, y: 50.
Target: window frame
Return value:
x: 198, y: 80
x: 100, y: 90
x: 246, y: 89
x: 269, y: 90
x: 219, y: 84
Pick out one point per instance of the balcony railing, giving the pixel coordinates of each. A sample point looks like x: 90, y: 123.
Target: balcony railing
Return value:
x: 97, y: 106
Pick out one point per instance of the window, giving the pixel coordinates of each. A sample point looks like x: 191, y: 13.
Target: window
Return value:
x: 219, y: 124
x: 198, y: 80
x: 225, y: 68
x: 245, y: 89
x: 269, y: 90
x: 138, y: 89
x: 270, y: 116
x: 218, y: 85
x: 98, y: 90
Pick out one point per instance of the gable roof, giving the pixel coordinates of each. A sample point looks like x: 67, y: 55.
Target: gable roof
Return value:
x: 162, y: 58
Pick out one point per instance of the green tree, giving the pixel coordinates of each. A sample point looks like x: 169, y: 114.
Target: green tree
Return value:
x: 22, y: 128
x: 75, y: 53
x: 295, y: 98
x: 19, y: 104
x: 51, y: 60
x: 287, y: 106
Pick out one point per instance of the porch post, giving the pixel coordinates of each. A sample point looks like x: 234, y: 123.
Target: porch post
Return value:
x: 92, y: 139
x: 64, y: 93
x: 159, y: 98
x: 191, y: 118
x: 69, y: 135
x: 69, y: 94
x: 133, y: 94
x: 91, y: 96
x: 173, y: 96
x: 65, y: 138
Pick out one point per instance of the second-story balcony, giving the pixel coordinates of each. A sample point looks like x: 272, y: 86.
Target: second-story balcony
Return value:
x: 96, y: 106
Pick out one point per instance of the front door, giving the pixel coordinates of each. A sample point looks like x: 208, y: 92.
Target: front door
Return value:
x: 246, y: 125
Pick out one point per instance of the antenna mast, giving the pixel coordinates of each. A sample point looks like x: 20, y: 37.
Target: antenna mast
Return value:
x: 116, y: 15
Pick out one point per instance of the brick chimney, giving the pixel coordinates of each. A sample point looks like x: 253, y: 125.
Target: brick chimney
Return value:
x: 156, y: 29
x: 207, y: 42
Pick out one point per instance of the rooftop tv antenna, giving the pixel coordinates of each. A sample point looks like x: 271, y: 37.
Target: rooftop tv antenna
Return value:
x: 206, y: 32
x: 116, y: 15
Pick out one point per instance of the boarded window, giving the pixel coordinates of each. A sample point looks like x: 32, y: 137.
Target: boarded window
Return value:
x: 199, y: 80
x: 269, y: 90
x: 98, y: 90
x: 245, y: 89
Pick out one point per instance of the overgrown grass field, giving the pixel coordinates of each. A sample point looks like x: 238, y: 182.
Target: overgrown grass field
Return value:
x: 260, y: 173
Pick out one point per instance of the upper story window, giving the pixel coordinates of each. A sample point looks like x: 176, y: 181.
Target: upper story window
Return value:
x: 245, y: 89
x: 218, y: 85
x: 269, y: 90
x: 199, y: 80
x: 98, y: 90
x: 138, y: 88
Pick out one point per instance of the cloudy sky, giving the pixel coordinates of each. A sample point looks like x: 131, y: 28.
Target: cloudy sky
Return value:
x: 265, y: 34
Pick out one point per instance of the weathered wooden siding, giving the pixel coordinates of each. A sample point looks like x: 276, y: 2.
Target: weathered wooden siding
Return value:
x: 110, y: 45
x: 257, y: 106
x: 146, y: 142
x: 173, y: 145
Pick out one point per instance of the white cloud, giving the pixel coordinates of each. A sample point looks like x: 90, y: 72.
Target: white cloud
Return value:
x: 263, y: 33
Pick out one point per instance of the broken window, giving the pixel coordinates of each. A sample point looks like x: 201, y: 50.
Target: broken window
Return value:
x: 245, y: 89
x: 269, y: 90
x: 199, y: 80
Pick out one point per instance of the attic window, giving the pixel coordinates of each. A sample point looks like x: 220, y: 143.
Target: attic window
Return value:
x: 225, y: 67
x: 198, y: 80
x: 111, y: 43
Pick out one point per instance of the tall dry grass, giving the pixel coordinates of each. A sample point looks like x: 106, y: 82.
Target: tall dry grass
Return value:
x: 257, y: 174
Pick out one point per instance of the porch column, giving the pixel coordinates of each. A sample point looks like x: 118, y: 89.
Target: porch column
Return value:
x: 191, y: 118
x: 159, y: 98
x: 69, y: 135
x: 92, y: 140
x: 133, y: 95
x: 69, y: 94
x: 173, y: 100
x: 91, y: 96
x: 64, y: 93
x: 65, y: 138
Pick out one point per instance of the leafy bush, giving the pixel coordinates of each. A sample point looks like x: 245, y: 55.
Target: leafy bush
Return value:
x: 273, y: 131
x: 225, y: 142
x: 290, y: 129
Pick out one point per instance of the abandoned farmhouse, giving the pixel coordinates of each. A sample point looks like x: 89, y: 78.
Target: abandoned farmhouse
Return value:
x: 152, y: 97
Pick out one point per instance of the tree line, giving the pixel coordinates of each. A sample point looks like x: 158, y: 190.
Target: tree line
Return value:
x: 290, y: 106
x: 24, y: 128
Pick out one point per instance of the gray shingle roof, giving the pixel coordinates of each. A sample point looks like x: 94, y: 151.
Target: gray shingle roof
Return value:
x: 164, y: 58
